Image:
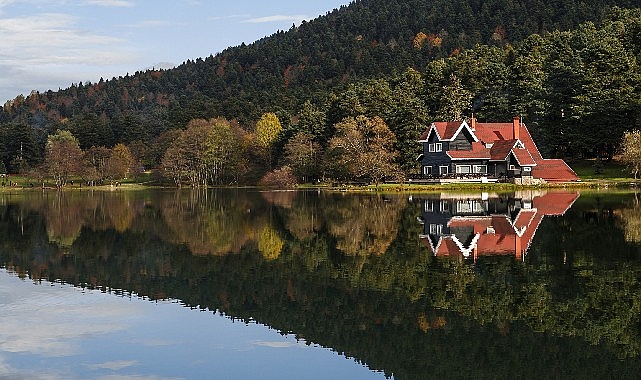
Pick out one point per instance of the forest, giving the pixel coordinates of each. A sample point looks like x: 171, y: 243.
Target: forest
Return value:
x: 357, y: 85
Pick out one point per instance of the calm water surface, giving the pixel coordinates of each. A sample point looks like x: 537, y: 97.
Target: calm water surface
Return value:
x: 288, y: 285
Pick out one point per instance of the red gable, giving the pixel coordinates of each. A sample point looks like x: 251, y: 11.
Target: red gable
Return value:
x: 445, y: 130
x: 501, y: 149
x: 523, y: 157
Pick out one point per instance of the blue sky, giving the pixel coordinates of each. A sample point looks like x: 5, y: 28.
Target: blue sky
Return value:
x: 49, y: 44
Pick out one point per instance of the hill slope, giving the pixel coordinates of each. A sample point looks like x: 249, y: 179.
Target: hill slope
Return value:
x: 367, y: 39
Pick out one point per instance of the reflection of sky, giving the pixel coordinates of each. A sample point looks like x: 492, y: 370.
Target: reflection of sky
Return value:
x: 53, y: 331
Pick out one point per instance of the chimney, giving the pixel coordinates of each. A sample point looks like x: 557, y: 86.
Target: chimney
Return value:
x: 516, y: 127
x: 473, y: 126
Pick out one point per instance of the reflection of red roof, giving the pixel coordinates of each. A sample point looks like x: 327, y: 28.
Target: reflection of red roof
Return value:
x: 498, y: 234
x: 555, y: 203
x: 523, y: 219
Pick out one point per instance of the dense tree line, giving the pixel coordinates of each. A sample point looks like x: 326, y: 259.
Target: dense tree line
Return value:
x: 578, y: 90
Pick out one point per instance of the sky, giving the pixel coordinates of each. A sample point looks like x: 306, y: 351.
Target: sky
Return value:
x: 50, y: 44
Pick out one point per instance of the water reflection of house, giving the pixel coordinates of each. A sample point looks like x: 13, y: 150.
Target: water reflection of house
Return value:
x: 481, y: 225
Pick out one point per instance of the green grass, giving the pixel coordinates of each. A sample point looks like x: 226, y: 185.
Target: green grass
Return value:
x: 610, y: 170
x: 21, y: 182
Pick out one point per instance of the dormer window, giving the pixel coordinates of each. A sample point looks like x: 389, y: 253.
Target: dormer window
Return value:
x: 435, y: 147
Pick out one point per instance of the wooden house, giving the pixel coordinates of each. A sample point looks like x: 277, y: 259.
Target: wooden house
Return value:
x: 489, y: 151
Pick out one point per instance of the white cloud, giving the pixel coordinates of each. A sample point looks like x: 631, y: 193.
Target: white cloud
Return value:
x: 8, y: 372
x: 229, y: 17
x: 69, y: 319
x: 277, y: 18
x: 279, y: 344
x: 37, y: 49
x: 115, y: 365
x: 52, y: 39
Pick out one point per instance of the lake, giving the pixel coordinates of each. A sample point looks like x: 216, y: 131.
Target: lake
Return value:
x: 243, y: 284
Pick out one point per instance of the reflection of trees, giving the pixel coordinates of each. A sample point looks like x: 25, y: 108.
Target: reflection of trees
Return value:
x: 67, y: 213
x: 64, y: 219
x: 363, y: 226
x: 269, y: 243
x: 303, y: 217
x: 631, y: 221
x: 210, y: 222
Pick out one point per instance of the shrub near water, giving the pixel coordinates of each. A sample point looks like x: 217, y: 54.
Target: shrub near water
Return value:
x: 279, y: 178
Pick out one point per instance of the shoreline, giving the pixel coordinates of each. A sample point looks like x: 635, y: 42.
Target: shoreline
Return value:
x: 381, y: 188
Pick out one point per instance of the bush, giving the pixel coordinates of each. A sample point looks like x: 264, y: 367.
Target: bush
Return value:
x: 279, y: 178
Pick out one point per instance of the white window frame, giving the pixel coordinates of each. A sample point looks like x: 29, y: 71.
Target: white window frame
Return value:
x: 435, y: 147
x: 427, y: 170
x: 441, y: 170
x: 527, y: 169
x: 512, y: 167
x: 444, y: 206
x: 459, y: 169
x: 480, y: 169
x: 436, y: 229
x: 428, y: 206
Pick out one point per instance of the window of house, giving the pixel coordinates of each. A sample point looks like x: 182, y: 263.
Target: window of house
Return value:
x: 527, y: 169
x: 443, y: 170
x: 464, y: 206
x: 463, y: 169
x: 435, y: 147
x: 445, y: 206
x: 512, y: 167
x: 436, y: 229
x: 480, y: 169
x: 428, y: 206
x: 427, y: 170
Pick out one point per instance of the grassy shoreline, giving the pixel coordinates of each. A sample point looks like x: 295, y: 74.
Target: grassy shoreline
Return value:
x: 608, y: 176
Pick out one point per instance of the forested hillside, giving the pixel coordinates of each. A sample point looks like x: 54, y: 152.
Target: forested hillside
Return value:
x: 393, y: 63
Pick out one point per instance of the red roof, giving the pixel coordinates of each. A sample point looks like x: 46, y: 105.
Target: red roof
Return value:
x: 554, y: 171
x: 501, y: 149
x: 479, y: 151
x: 492, y: 132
